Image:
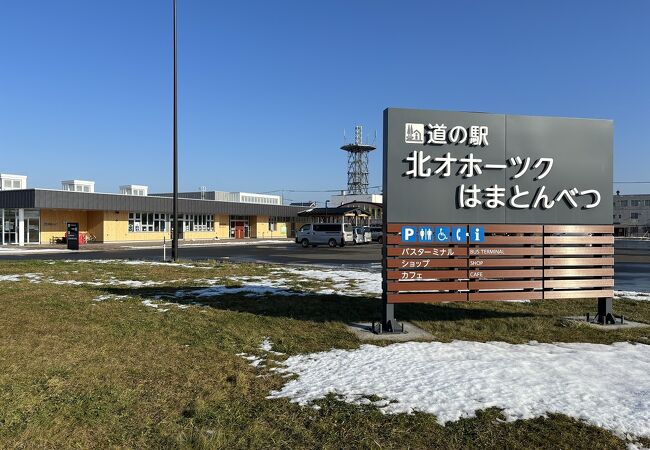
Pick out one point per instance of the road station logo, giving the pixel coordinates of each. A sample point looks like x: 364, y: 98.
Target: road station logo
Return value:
x: 414, y: 133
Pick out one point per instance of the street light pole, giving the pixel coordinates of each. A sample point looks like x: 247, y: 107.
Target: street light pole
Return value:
x: 175, y: 200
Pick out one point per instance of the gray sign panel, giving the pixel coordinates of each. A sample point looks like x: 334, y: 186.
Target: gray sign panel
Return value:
x: 454, y: 167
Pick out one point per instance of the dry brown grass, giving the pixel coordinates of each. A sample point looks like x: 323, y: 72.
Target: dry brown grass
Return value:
x: 76, y: 373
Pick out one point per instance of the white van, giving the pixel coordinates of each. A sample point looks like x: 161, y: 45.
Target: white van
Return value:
x: 332, y: 234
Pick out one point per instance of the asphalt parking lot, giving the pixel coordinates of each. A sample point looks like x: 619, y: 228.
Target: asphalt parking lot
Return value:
x: 284, y: 252
x: 632, y: 268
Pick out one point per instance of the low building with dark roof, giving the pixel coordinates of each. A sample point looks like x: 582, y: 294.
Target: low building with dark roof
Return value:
x: 354, y: 216
x: 40, y: 216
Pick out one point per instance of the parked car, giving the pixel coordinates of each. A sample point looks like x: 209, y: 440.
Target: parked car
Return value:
x: 332, y: 234
x: 362, y: 235
x: 376, y: 233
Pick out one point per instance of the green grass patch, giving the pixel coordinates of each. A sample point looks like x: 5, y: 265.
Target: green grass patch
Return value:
x: 80, y: 373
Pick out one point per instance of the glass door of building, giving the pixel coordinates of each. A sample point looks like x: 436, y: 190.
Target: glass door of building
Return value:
x: 10, y: 227
x: 32, y: 236
x: 239, y: 227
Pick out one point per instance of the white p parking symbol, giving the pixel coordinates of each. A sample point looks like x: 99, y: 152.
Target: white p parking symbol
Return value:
x: 408, y: 234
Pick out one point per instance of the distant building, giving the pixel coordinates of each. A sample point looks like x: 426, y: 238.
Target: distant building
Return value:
x: 304, y: 204
x: 234, y: 197
x: 370, y: 204
x: 632, y: 215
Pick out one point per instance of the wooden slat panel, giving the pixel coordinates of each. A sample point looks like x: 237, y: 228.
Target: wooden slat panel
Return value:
x: 587, y: 293
x: 511, y: 240
x: 579, y: 229
x: 427, y: 252
x: 432, y: 263
x: 578, y: 261
x: 569, y: 262
x: 433, y: 297
x: 427, y: 274
x: 583, y: 283
x: 498, y: 274
x: 505, y: 262
x: 496, y: 296
x: 554, y: 273
x: 579, y: 240
x: 486, y: 252
x: 405, y: 286
x: 497, y: 228
x: 528, y: 284
x: 578, y: 251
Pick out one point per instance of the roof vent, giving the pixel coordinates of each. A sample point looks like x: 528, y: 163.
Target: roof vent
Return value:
x: 10, y: 182
x: 134, y: 189
x: 78, y: 186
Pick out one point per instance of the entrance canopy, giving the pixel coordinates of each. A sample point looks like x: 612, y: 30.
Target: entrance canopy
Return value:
x: 339, y: 214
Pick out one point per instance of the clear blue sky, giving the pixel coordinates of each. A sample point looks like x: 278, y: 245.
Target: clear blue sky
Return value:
x: 266, y: 88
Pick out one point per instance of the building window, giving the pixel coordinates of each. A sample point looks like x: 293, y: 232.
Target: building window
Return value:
x: 142, y: 222
x: 198, y: 222
x: 634, y: 215
x: 273, y: 225
x: 635, y: 202
x: 647, y: 202
x: 623, y: 202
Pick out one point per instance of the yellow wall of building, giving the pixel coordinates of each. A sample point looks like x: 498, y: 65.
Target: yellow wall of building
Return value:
x: 96, y: 224
x: 54, y: 223
x: 116, y: 226
x: 263, y: 232
x: 222, y: 226
x: 112, y: 226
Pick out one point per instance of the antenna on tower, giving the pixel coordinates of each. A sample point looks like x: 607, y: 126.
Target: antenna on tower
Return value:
x: 358, y: 162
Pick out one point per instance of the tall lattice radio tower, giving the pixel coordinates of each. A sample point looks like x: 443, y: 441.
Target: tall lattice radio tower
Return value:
x: 358, y: 163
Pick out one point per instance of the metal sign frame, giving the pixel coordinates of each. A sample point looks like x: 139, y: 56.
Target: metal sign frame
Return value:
x: 544, y: 210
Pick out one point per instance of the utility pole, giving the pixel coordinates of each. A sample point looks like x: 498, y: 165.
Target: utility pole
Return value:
x: 175, y: 200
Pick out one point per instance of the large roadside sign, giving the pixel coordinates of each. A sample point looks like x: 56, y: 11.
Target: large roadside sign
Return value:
x: 495, y: 207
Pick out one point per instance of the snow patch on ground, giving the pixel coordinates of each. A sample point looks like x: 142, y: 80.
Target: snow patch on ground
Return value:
x: 135, y: 262
x: 39, y: 278
x: 362, y: 282
x: 346, y: 282
x: 161, y: 306
x: 31, y: 277
x: 261, y: 361
x: 605, y: 385
x: 267, y: 346
x: 101, y: 298
x: 632, y: 295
